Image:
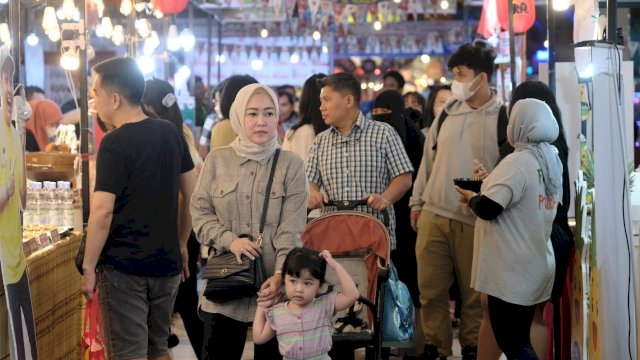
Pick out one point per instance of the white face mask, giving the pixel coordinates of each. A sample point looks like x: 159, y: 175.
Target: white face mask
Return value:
x: 462, y: 91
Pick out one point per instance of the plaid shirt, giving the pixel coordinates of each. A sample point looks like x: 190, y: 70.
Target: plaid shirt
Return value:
x: 362, y: 162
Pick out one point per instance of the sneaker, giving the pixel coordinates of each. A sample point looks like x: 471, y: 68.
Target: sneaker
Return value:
x: 469, y: 352
x: 431, y: 353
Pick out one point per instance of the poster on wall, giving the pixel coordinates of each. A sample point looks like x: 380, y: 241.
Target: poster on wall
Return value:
x: 12, y: 199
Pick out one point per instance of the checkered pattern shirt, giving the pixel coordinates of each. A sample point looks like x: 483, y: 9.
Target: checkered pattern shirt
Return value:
x: 362, y: 162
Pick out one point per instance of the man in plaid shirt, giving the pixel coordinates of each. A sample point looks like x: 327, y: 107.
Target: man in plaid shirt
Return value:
x: 356, y: 158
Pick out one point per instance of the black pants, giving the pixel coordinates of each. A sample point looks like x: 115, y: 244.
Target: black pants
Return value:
x: 187, y: 299
x: 511, y: 324
x: 224, y: 339
x: 19, y: 298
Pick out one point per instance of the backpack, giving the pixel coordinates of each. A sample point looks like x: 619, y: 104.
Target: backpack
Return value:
x: 501, y: 130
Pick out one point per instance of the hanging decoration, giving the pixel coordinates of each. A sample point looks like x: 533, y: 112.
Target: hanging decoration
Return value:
x: 524, y: 14
x: 489, y: 24
x: 170, y: 6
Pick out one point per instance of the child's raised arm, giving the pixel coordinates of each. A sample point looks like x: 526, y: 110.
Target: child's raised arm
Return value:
x: 262, y: 331
x: 349, y: 293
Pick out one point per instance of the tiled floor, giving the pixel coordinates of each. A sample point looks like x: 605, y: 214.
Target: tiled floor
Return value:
x: 184, y: 351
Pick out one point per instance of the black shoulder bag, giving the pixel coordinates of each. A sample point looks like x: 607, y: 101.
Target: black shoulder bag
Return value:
x: 228, y: 280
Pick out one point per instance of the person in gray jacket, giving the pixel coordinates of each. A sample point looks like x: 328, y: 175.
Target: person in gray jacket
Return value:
x: 444, y: 226
x: 513, y: 260
x: 228, y: 202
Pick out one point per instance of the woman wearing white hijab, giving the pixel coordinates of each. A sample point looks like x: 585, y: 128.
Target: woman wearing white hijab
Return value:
x: 228, y: 202
x: 513, y: 260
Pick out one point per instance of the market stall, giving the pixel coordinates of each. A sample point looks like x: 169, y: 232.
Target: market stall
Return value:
x: 56, y: 298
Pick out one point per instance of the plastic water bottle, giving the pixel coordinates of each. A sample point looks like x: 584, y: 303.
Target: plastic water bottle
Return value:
x: 66, y: 201
x: 37, y: 207
x: 29, y: 211
x: 51, y: 203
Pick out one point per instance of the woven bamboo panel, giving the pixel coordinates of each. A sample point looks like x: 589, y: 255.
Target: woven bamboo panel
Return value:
x: 4, y: 325
x: 57, y: 301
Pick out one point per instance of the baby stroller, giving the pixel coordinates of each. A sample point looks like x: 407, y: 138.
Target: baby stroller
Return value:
x: 360, y: 242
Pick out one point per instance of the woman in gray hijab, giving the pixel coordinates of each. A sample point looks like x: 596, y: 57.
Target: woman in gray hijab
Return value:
x: 513, y: 261
x: 226, y: 207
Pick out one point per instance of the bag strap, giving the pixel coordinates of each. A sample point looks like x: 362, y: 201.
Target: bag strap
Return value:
x: 503, y: 121
x: 441, y: 119
x: 267, y: 196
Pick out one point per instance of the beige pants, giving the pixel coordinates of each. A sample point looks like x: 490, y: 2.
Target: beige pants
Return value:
x: 445, y: 245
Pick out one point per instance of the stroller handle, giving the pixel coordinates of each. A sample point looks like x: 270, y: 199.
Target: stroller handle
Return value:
x: 352, y: 204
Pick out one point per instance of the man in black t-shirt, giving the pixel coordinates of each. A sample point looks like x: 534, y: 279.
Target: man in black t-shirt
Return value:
x: 134, y: 229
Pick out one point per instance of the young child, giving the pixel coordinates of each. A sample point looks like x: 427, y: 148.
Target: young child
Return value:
x: 303, y: 323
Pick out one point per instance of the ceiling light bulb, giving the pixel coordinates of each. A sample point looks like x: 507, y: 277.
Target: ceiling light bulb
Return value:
x: 187, y: 39
x: 70, y: 59
x: 107, y: 27
x: 118, y: 35
x: 264, y: 33
x: 146, y: 64
x: 257, y: 64
x: 295, y: 58
x: 151, y: 43
x: 377, y: 26
x: 316, y: 35
x: 173, y: 41
x: 49, y: 21
x: 126, y: 7
x: 560, y: 5
x: 54, y: 34
x: 144, y: 27
x: 425, y: 58
x: 444, y: 4
x: 33, y: 39
x: 68, y: 9
x: 5, y: 35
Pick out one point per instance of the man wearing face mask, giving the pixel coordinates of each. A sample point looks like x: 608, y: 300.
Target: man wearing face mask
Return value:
x: 445, y: 227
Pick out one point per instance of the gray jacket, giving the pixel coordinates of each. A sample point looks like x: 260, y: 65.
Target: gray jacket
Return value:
x: 228, y: 201
x: 466, y: 134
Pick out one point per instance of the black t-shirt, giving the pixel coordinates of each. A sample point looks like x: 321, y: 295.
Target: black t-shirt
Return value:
x: 140, y: 163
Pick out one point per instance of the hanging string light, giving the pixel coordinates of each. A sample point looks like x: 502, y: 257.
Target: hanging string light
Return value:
x: 68, y: 9
x: 187, y: 39
x: 118, y: 35
x: 126, y: 7
x: 107, y: 27
x: 49, y: 21
x: 70, y: 59
x: 173, y: 41
x: 5, y: 35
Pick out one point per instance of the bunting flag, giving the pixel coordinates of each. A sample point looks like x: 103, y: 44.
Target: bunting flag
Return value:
x: 373, y: 45
x: 361, y: 14
x: 277, y: 6
x: 412, y: 8
x: 326, y: 8
x: 383, y: 11
x: 291, y: 7
x: 314, y: 5
x: 350, y: 11
x: 294, y: 24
